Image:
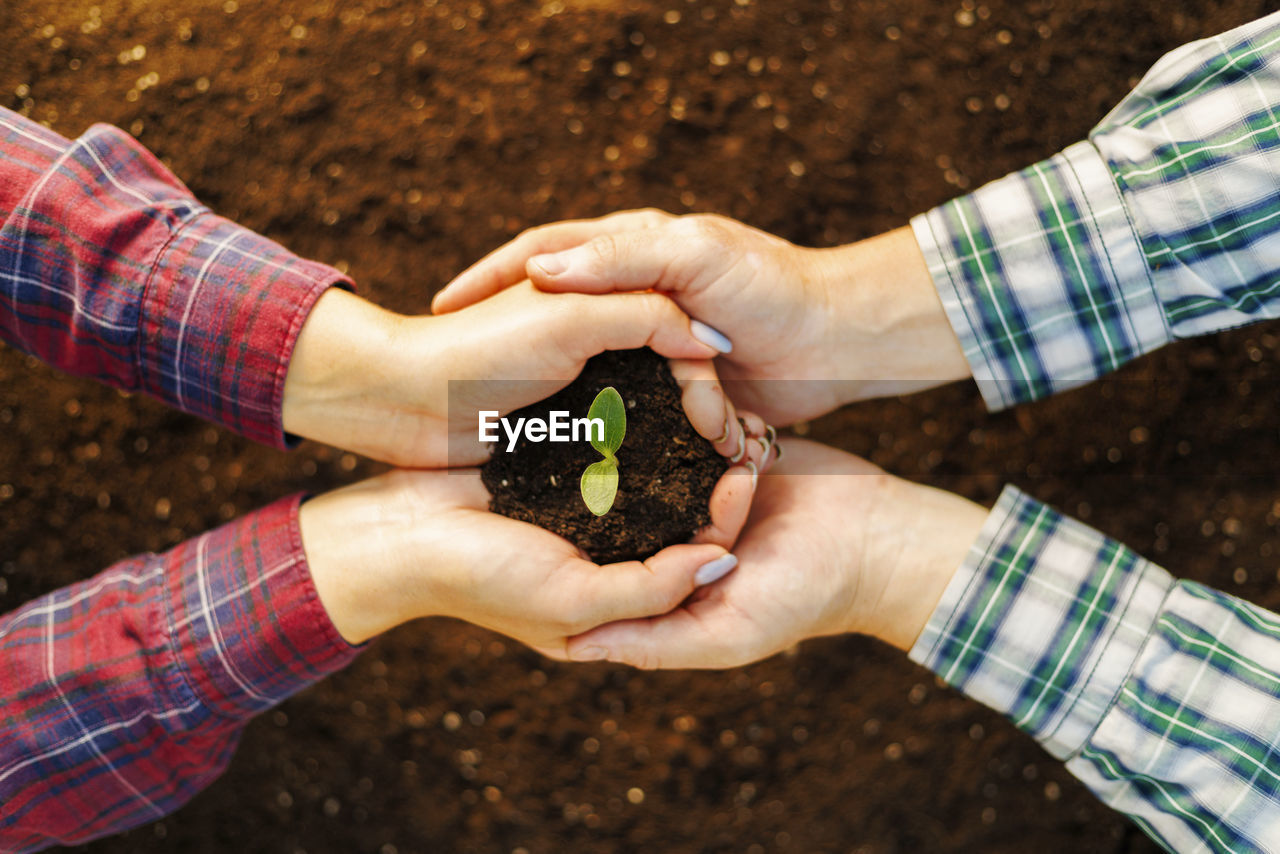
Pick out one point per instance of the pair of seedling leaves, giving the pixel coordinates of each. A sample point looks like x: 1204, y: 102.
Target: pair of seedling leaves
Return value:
x: 599, y: 482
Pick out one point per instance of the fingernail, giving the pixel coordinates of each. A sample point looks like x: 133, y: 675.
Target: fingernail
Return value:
x: 711, y: 337
x: 552, y: 265
x: 742, y: 447
x: 777, y: 453
x: 755, y: 474
x: 764, y: 449
x: 715, y: 570
x: 590, y: 653
x: 725, y: 434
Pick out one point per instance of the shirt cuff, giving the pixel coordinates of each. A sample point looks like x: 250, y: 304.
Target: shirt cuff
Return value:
x: 1043, y: 621
x: 247, y: 626
x: 222, y: 311
x: 1043, y: 278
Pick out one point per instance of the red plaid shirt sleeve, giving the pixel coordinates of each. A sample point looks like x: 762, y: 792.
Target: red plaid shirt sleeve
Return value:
x: 109, y: 268
x: 125, y: 694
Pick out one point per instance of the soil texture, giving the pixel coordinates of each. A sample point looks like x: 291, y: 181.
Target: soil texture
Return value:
x: 666, y: 470
x: 403, y: 139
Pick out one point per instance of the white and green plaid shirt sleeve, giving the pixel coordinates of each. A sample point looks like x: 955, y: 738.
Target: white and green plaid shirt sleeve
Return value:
x: 1164, y: 224
x: 1162, y: 696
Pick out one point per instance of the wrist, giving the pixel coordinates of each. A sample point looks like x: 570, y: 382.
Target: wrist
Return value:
x: 359, y: 547
x: 890, y: 333
x: 926, y: 534
x: 338, y: 367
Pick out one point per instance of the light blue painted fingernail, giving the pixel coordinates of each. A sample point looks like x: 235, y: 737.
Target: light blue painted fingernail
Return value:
x: 711, y: 337
x: 715, y: 570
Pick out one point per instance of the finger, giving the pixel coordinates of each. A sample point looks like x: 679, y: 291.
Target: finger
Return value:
x: 762, y: 439
x: 688, y: 638
x: 678, y: 257
x: 592, y: 325
x: 774, y: 454
x: 621, y: 591
x: 753, y: 424
x: 753, y: 458
x: 730, y: 505
x: 703, y: 399
x: 505, y: 265
x: 734, y: 440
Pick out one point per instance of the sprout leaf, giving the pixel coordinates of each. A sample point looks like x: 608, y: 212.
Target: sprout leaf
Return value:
x: 599, y: 486
x: 608, y: 407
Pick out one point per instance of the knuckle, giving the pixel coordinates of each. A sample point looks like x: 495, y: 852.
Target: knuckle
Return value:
x: 655, y: 309
x: 713, y: 233
x: 652, y: 217
x: 604, y: 250
x: 645, y: 659
x: 574, y: 617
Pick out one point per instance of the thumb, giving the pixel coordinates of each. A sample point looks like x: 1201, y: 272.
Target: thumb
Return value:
x: 592, y: 325
x: 700, y: 636
x: 621, y: 591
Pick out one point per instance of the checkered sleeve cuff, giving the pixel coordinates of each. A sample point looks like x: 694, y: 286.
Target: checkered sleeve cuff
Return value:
x: 1043, y: 621
x: 1043, y: 278
x: 223, y: 310
x: 245, y: 621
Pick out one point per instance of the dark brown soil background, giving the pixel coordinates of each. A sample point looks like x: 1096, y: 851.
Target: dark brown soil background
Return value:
x: 401, y: 140
x: 666, y: 471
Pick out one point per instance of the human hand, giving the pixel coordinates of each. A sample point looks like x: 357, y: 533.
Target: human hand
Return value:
x: 378, y: 383
x: 414, y: 544
x: 811, y: 329
x: 833, y: 545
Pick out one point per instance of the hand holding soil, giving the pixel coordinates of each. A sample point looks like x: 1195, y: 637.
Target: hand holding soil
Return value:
x: 417, y: 544
x: 406, y: 390
x: 812, y: 329
x: 833, y: 545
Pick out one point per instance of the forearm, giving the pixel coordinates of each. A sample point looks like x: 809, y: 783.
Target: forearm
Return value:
x: 125, y: 694
x: 121, y: 275
x: 1152, y: 690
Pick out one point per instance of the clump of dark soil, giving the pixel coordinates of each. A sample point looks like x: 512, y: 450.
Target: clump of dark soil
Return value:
x: 666, y: 470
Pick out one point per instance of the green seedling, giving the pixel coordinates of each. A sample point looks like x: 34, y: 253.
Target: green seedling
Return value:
x: 599, y: 483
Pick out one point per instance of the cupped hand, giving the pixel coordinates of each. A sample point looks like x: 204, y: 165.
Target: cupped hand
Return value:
x: 413, y: 544
x: 408, y: 390
x: 759, y: 291
x: 832, y: 545
x: 811, y: 329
